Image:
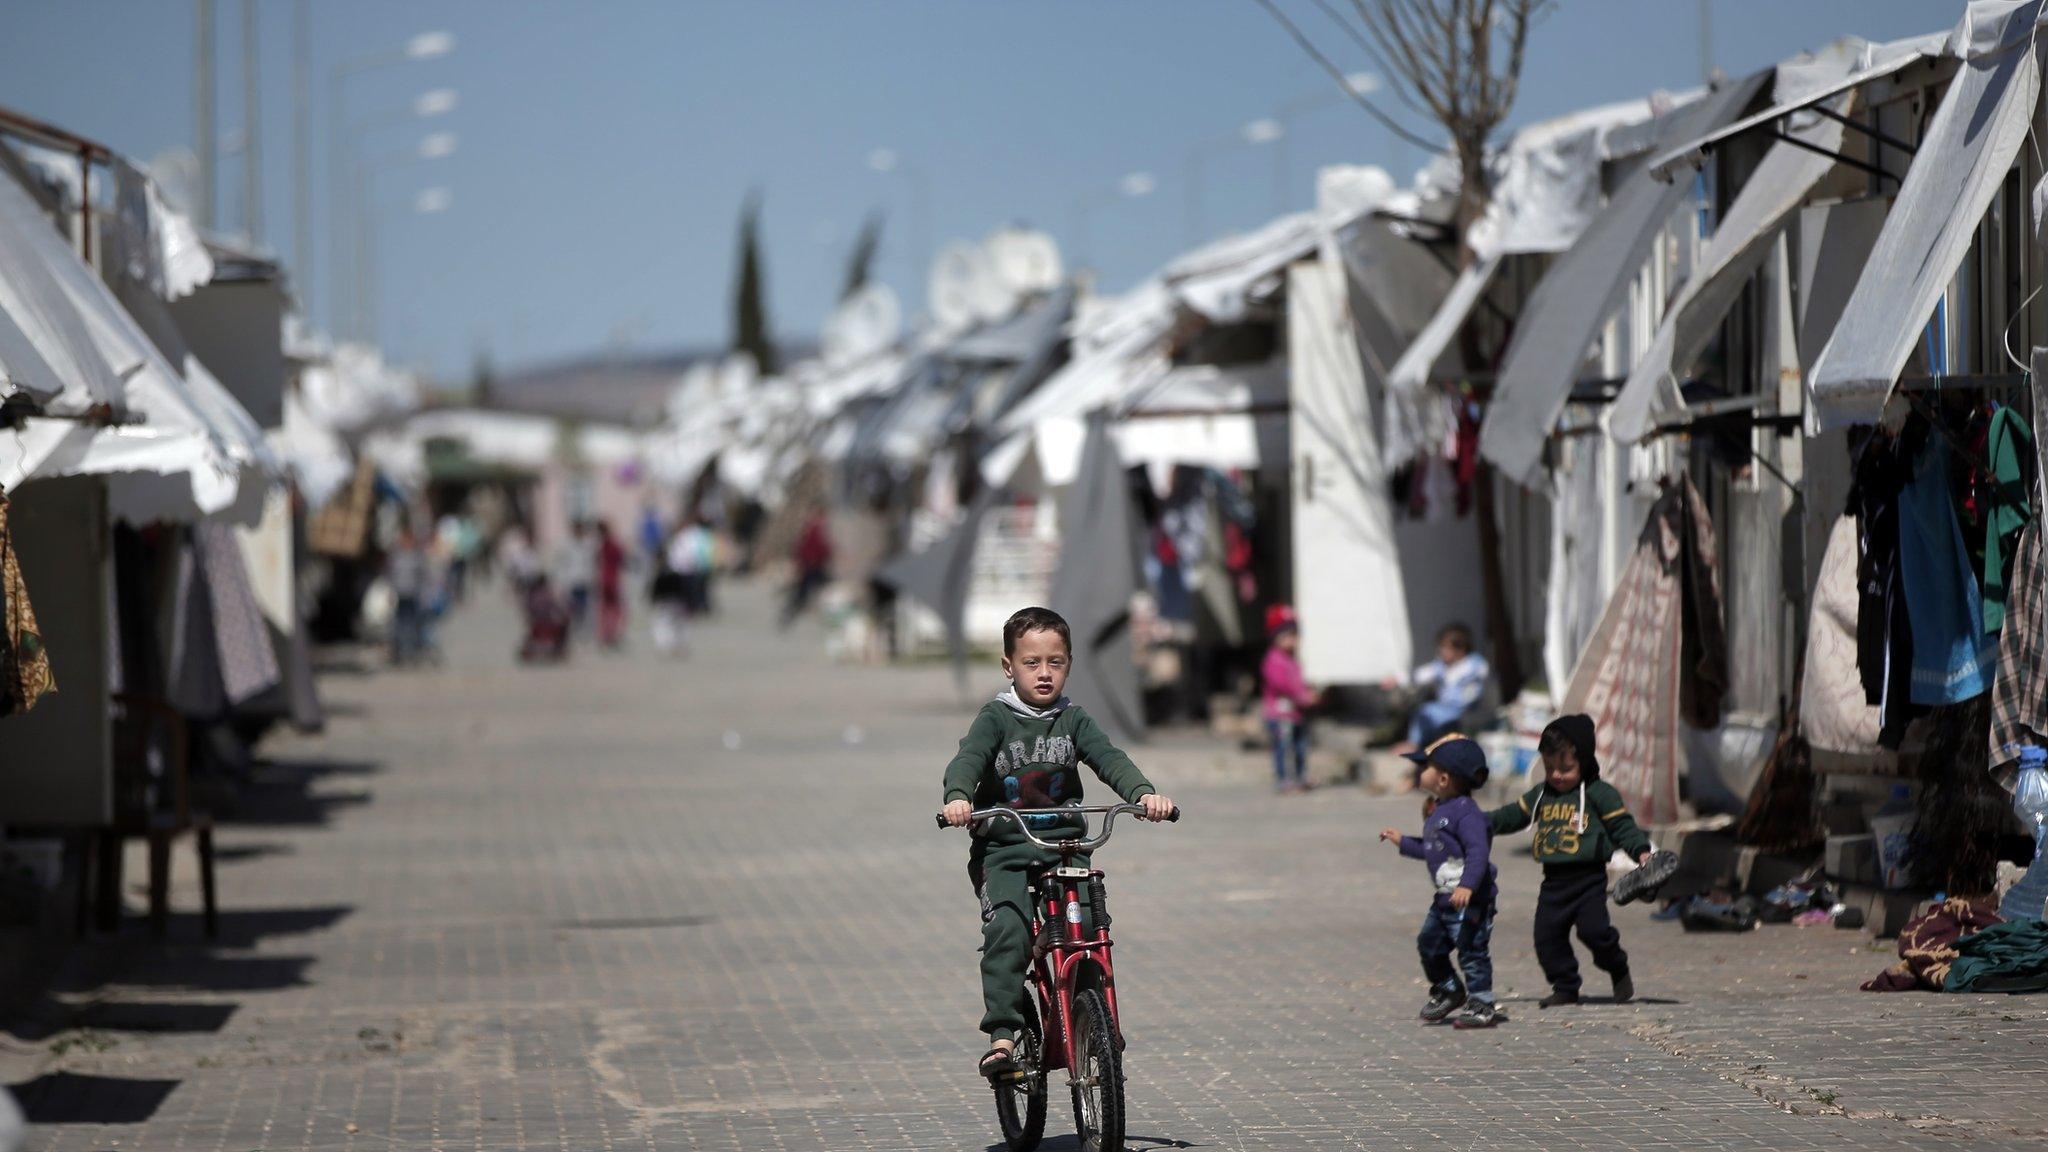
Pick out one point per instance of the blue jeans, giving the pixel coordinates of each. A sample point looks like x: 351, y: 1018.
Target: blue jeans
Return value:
x: 1432, y: 719
x: 1288, y: 735
x: 1468, y: 933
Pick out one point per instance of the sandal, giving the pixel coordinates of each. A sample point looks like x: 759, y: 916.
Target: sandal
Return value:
x: 998, y: 1061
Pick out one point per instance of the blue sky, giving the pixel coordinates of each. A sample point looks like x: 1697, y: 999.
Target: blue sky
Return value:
x: 606, y: 145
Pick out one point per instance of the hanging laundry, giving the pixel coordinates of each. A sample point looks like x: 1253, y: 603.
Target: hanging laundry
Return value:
x: 2009, y: 446
x: 1884, y: 632
x: 1951, y: 661
x: 1834, y: 711
x: 2019, y: 690
x: 24, y: 663
x: 1656, y: 659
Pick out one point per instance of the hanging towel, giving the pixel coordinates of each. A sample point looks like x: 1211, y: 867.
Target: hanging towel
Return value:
x: 1951, y: 661
x: 248, y: 662
x: 1834, y: 711
x: 24, y: 663
x: 2008, y: 447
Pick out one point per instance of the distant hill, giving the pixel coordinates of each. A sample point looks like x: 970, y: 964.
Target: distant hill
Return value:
x: 629, y: 388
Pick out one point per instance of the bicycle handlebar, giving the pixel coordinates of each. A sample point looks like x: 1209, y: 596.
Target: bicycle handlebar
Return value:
x: 1108, y: 812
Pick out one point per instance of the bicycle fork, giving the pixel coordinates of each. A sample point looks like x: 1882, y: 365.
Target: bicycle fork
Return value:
x: 1069, y: 949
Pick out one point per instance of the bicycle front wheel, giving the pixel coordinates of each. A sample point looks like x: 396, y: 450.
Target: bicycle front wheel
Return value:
x: 1020, y: 1099
x: 1098, y: 1075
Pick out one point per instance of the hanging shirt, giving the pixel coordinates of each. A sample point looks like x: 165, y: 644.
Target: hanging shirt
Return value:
x: 1951, y: 661
x: 2008, y: 447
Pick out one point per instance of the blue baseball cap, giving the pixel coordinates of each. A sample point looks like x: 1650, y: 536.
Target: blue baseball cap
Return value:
x: 1457, y: 754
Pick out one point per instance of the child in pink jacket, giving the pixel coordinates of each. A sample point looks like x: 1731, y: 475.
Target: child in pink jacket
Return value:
x: 1287, y: 699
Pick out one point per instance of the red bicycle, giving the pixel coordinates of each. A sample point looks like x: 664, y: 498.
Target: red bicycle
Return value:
x: 1074, y: 1023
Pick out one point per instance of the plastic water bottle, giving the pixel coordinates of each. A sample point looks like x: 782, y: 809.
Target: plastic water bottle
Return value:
x: 2024, y: 900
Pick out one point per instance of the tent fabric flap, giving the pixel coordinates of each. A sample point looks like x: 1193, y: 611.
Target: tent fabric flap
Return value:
x: 1411, y: 372
x: 1581, y: 290
x: 1963, y: 158
x: 1767, y: 202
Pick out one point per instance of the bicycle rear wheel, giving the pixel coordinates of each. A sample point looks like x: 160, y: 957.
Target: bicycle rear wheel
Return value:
x: 1099, y: 1075
x: 1020, y: 1100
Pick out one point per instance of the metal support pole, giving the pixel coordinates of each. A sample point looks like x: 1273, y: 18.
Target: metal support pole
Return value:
x: 252, y: 129
x: 203, y: 144
x: 302, y: 151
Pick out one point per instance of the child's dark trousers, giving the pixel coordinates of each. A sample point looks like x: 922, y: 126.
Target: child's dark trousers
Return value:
x: 1575, y: 897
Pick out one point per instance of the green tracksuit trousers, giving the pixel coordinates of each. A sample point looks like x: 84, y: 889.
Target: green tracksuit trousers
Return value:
x: 1001, y: 873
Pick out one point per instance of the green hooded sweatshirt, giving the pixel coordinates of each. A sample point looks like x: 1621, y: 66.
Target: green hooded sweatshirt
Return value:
x: 1023, y: 757
x: 1582, y: 826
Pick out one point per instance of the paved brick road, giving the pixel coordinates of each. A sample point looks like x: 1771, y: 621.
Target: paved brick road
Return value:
x: 633, y: 905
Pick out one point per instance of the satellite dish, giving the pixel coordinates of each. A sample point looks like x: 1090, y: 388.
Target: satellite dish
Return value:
x: 691, y: 393
x: 864, y: 323
x: 958, y: 280
x: 1023, y: 261
x: 736, y: 376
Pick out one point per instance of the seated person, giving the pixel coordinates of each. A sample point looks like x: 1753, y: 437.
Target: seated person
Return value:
x: 1458, y: 676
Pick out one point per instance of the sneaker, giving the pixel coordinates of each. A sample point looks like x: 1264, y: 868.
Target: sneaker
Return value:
x: 1645, y: 880
x: 1624, y: 988
x: 1558, y: 998
x: 1477, y: 1014
x: 1441, y: 1004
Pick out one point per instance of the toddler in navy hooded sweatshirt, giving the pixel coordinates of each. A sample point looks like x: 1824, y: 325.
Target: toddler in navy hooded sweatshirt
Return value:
x: 1456, y: 846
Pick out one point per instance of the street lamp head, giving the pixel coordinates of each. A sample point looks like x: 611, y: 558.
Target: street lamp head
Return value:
x: 439, y: 102
x: 428, y: 45
x: 1362, y: 83
x: 884, y: 160
x: 433, y: 200
x: 1263, y: 131
x: 437, y: 146
x: 1137, y: 184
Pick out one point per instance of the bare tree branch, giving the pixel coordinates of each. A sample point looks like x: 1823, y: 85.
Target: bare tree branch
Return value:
x: 1337, y: 74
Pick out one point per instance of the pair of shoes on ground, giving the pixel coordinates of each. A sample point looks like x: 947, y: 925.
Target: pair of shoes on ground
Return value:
x: 1294, y: 788
x: 1445, y: 1004
x: 1624, y: 991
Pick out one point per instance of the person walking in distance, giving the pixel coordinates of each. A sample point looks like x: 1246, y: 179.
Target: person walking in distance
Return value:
x: 813, y: 566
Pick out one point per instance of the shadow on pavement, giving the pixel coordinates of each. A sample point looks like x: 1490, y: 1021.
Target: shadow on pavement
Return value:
x: 69, y: 1098
x: 245, y: 928
x: 206, y: 972
x: 1072, y: 1143
x: 280, y: 793
x: 630, y: 922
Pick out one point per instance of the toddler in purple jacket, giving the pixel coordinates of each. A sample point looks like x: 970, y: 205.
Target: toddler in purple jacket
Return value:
x: 1455, y: 845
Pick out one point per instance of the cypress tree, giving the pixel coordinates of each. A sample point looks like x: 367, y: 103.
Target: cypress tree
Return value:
x: 750, y: 299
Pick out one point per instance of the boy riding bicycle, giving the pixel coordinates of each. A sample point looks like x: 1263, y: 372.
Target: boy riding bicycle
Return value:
x: 1024, y: 751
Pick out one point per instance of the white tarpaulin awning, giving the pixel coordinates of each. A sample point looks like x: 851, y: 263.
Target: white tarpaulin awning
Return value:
x: 1205, y: 416
x: 1546, y: 191
x: 45, y: 348
x: 1798, y: 90
x: 1411, y: 371
x: 1581, y: 290
x: 1778, y: 187
x: 1962, y: 160
x: 1224, y: 280
x: 318, y: 458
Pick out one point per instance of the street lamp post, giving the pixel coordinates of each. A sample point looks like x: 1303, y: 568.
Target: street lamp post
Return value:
x: 425, y: 106
x: 1283, y: 118
x: 1267, y: 130
x: 1254, y: 134
x: 888, y: 160
x: 425, y: 46
x: 438, y: 146
x: 1133, y: 186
